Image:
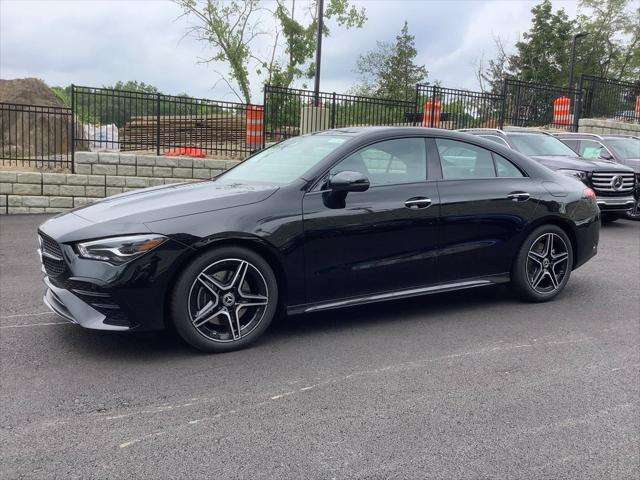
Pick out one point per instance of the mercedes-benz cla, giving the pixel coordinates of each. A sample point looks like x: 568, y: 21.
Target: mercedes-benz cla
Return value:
x: 321, y: 221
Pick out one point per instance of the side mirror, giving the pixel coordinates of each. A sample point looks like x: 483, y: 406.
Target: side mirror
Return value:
x: 348, y: 182
x: 605, y: 155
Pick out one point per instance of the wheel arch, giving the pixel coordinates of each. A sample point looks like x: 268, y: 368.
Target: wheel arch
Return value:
x: 560, y: 222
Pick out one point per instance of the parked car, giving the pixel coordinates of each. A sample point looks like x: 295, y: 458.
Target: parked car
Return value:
x: 322, y: 221
x: 614, y: 184
x: 622, y: 149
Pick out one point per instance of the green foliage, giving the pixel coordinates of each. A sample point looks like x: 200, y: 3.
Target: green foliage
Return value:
x: 390, y: 70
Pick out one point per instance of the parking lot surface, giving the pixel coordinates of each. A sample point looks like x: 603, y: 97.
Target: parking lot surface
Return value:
x: 472, y: 384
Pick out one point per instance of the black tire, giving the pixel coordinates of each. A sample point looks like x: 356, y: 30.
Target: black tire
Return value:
x: 199, y: 287
x: 529, y: 263
x: 609, y: 217
x: 634, y: 213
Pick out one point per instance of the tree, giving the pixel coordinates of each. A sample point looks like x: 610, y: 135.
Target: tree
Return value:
x: 543, y: 53
x: 490, y: 75
x: 390, y: 70
x: 231, y: 28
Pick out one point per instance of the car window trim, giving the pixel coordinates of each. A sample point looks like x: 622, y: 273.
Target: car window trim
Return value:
x: 504, y: 142
x: 315, y: 185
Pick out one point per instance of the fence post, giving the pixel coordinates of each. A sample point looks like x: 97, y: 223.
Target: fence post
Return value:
x: 333, y: 110
x: 417, y: 109
x: 73, y: 128
x: 577, y: 106
x: 158, y: 124
x: 433, y: 107
x: 503, y: 109
x: 264, y: 118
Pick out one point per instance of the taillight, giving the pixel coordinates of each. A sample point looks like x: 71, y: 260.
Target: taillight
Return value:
x: 589, y: 195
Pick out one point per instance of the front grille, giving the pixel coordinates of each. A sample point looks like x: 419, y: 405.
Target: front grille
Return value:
x: 604, y: 182
x: 52, y: 258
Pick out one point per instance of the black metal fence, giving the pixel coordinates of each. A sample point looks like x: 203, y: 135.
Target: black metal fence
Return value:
x: 606, y: 98
x: 35, y: 136
x: 290, y: 112
x: 158, y: 123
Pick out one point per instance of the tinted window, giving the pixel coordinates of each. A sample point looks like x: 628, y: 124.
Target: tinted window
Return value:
x: 505, y: 168
x: 572, y: 144
x: 462, y: 160
x: 496, y: 139
x: 590, y: 149
x: 625, y: 147
x: 284, y: 162
x: 540, y: 144
x: 390, y: 162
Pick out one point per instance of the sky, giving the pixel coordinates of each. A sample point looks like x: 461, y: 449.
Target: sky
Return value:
x: 99, y: 42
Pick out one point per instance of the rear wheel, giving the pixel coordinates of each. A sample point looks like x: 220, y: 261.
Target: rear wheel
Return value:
x: 543, y: 264
x: 224, y: 300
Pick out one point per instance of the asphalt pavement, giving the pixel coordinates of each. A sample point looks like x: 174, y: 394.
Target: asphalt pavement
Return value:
x: 472, y: 384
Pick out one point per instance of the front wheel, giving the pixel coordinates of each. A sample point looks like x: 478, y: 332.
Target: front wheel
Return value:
x: 224, y: 299
x: 634, y: 213
x: 543, y: 265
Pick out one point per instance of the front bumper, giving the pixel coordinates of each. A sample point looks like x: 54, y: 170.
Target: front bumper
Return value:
x: 615, y: 204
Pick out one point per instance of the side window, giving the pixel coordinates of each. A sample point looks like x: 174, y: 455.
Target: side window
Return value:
x: 461, y: 160
x: 390, y: 162
x: 572, y: 144
x: 590, y: 149
x: 496, y: 139
x: 504, y: 168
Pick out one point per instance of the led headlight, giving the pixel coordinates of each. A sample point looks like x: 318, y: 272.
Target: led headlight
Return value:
x: 119, y: 250
x: 579, y: 174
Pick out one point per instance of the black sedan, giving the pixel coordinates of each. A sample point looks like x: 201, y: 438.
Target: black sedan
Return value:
x: 321, y: 221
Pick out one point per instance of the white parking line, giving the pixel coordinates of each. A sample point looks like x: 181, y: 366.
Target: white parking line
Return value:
x: 24, y: 315
x: 35, y: 324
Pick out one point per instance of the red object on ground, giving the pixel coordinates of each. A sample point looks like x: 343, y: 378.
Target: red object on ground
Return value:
x: 188, y: 151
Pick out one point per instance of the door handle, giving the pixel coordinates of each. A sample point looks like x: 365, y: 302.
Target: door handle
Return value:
x: 418, y: 202
x: 519, y: 196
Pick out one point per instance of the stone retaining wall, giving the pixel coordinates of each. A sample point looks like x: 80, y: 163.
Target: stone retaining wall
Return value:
x: 98, y: 175
x: 604, y: 127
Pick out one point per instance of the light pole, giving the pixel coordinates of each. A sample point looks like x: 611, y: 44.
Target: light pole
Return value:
x: 319, y: 50
x: 573, y: 55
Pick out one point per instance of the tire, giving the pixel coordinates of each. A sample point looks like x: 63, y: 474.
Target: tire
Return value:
x: 634, y: 213
x: 540, y: 273
x: 609, y: 217
x: 224, y: 299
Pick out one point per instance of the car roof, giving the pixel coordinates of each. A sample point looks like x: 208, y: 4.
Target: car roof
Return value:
x: 363, y: 133
x: 508, y: 130
x: 602, y: 136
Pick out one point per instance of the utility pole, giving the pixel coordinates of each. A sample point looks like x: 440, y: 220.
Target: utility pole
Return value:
x: 576, y: 37
x: 319, y: 50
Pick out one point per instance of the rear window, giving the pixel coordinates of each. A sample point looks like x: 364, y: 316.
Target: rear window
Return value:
x: 536, y: 144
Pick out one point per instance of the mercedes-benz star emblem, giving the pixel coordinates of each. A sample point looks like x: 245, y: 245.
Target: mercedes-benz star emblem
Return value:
x: 617, y: 182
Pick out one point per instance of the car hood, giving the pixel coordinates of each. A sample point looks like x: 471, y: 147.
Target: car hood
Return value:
x: 633, y: 163
x: 577, y: 163
x: 169, y: 201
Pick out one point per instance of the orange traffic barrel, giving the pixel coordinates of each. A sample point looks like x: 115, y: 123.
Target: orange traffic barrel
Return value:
x: 255, y: 119
x: 562, y: 111
x: 431, y: 114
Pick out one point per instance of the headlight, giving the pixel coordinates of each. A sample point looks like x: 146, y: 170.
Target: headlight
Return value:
x: 579, y: 174
x: 119, y: 250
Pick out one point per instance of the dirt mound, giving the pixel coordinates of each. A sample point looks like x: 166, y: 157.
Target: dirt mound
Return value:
x: 28, y: 91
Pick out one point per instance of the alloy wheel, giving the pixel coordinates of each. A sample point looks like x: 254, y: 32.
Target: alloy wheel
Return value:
x: 227, y: 300
x: 547, y: 263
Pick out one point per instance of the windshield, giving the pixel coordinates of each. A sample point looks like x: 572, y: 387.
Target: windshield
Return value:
x: 540, y: 145
x: 625, y: 147
x: 284, y: 162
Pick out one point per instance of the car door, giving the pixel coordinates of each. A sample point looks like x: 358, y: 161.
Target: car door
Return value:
x: 485, y: 202
x: 378, y: 240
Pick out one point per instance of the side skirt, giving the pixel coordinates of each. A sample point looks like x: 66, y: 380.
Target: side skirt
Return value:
x: 398, y: 294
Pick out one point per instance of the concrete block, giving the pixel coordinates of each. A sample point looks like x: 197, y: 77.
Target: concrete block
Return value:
x: 100, y: 169
x: 56, y: 210
x: 108, y: 158
x: 14, y: 200
x: 17, y: 210
x: 6, y: 188
x: 215, y: 173
x: 130, y: 189
x: 95, y: 180
x: 217, y: 164
x: 72, y: 191
x: 137, y: 182
x: 3, y: 200
x: 51, y: 189
x: 8, y: 177
x: 198, y: 163
x: 54, y: 178
x: 146, y: 160
x: 86, y: 157
x: 36, y: 210
x: 26, y: 189
x: 113, y: 181
x: 183, y: 172
x: 95, y: 191
x: 142, y: 171
x: 80, y: 201
x: 35, y: 201
x: 185, y: 162
x: 127, y: 159
x: 231, y: 163
x: 61, y: 202
x: 83, y: 168
x: 29, y: 177
x: 201, y: 173
x: 126, y: 169
x: 162, y: 172
x: 112, y: 191
x: 76, y: 179
x: 154, y: 182
x: 167, y: 162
